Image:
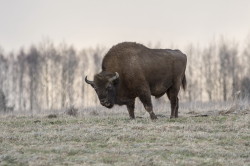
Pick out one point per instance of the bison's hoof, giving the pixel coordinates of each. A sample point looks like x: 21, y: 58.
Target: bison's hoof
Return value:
x: 153, y: 117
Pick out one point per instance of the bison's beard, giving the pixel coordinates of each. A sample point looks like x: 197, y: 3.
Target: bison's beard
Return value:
x: 109, y: 105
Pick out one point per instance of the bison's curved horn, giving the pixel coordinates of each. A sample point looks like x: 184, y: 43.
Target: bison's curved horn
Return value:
x: 114, y: 77
x: 89, y: 82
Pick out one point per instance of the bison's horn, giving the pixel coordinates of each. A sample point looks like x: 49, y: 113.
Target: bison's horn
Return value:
x: 89, y: 82
x: 114, y: 77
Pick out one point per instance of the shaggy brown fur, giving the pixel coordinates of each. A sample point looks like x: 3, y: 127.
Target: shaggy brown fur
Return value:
x: 142, y: 72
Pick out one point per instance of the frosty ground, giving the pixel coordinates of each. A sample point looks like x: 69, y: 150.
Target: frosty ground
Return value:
x: 96, y: 136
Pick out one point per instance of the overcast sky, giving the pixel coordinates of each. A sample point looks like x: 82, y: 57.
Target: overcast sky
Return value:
x: 87, y: 23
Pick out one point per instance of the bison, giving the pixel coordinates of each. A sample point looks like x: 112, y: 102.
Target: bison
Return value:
x: 131, y: 70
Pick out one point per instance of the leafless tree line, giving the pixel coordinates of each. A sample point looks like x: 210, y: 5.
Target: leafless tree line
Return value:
x: 46, y: 77
x: 218, y: 71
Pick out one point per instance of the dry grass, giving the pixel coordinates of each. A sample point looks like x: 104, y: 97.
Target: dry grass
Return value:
x: 108, y: 137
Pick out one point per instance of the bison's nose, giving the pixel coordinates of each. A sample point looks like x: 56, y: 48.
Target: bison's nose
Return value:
x: 103, y: 101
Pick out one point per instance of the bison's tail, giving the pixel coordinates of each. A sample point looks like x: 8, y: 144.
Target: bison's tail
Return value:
x: 184, y: 82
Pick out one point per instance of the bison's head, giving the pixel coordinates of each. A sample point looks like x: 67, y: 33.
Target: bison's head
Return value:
x: 104, y: 84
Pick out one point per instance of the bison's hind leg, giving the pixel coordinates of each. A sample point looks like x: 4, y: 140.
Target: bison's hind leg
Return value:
x: 172, y: 94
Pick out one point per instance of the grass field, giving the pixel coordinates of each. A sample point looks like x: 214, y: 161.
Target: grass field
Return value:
x: 109, y: 138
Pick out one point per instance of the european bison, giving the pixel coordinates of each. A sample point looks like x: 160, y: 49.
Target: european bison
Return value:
x: 131, y: 70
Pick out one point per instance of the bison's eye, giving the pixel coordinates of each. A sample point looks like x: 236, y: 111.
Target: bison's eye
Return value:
x: 109, y: 87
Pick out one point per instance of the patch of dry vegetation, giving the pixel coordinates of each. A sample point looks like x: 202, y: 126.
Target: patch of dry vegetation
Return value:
x: 113, y: 139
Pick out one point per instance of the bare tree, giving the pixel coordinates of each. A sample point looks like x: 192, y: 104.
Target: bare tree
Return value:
x: 245, y: 88
x: 2, y: 101
x: 33, y: 59
x: 51, y: 66
x: 69, y: 66
x: 3, y: 70
x: 21, y: 72
x: 245, y: 69
x: 190, y: 72
x: 194, y: 73
x: 228, y: 67
x: 210, y: 70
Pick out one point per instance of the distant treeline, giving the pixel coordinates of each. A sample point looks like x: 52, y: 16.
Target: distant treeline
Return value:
x: 45, y: 77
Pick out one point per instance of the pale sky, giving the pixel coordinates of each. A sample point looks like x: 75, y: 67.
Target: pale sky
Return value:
x: 87, y: 23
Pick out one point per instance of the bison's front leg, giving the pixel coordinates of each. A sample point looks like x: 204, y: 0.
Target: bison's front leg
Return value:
x: 146, y: 100
x: 131, y: 109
